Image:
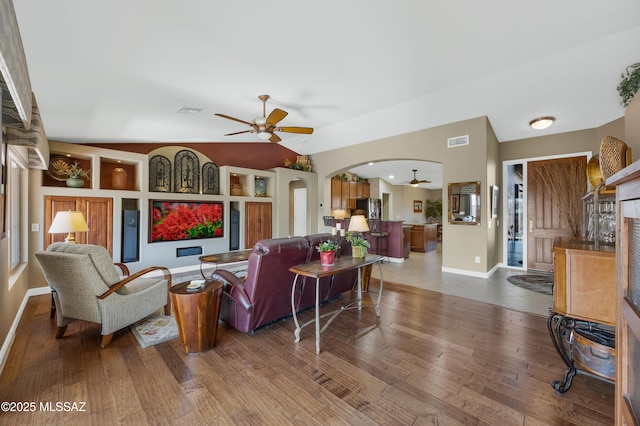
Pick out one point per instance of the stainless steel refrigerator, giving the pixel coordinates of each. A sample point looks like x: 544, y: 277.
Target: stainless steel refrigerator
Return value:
x: 371, y: 208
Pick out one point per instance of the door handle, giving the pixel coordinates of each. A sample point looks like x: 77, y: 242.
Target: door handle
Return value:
x: 530, y: 226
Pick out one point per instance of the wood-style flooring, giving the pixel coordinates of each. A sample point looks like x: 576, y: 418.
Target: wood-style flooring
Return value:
x: 430, y: 358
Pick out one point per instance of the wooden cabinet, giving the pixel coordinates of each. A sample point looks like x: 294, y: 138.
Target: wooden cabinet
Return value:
x: 98, y: 212
x: 424, y: 237
x: 627, y: 183
x: 340, y: 195
x: 584, y: 281
x: 257, y: 223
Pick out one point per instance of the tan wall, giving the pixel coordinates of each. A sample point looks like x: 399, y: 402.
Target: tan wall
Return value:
x: 460, y: 164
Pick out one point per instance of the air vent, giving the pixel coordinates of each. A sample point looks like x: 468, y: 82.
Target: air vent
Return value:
x: 458, y: 141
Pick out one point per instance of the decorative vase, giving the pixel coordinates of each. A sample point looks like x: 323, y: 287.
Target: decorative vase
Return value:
x: 75, y: 182
x: 326, y: 258
x: 118, y: 178
x: 358, y: 252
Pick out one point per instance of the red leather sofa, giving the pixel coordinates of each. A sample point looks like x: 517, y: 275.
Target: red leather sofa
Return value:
x: 264, y: 295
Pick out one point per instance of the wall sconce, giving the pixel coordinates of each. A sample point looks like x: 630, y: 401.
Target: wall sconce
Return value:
x: 68, y: 223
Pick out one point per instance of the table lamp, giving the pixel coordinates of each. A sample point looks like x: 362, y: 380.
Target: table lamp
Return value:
x: 358, y: 224
x: 68, y: 222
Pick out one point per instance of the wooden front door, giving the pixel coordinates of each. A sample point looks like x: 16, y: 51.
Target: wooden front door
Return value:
x: 98, y: 212
x: 543, y: 219
x: 257, y: 223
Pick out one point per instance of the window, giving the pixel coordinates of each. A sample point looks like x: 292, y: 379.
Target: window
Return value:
x: 16, y: 210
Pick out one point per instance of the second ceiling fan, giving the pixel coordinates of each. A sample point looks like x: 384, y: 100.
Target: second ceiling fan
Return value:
x: 415, y: 182
x: 265, y: 126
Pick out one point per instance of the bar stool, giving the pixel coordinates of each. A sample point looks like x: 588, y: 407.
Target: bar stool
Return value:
x: 380, y: 236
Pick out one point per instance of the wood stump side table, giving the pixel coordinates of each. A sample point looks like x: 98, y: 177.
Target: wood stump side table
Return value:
x: 197, y: 312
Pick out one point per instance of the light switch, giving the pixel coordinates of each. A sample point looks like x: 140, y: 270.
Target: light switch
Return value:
x: 35, y: 227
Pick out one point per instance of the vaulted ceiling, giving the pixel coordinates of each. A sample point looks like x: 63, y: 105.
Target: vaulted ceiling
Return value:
x: 355, y: 70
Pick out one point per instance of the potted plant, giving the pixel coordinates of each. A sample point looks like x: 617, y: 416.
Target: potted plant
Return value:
x: 74, y: 173
x: 630, y: 83
x: 359, y: 245
x: 433, y: 210
x: 327, y: 251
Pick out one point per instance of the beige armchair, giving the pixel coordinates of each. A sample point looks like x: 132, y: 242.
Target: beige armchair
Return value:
x: 86, y: 286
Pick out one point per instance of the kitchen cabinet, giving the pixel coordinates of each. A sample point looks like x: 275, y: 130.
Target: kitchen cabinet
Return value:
x: 424, y: 237
x: 340, y: 195
x: 258, y: 219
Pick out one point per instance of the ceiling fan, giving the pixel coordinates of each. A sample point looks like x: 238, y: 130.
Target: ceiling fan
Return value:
x: 265, y: 126
x: 414, y: 182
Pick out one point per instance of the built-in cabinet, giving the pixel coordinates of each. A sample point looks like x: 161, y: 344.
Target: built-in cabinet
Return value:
x: 627, y: 183
x: 98, y: 213
x: 258, y: 219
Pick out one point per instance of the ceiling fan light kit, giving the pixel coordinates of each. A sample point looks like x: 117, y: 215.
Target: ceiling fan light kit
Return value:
x: 265, y: 126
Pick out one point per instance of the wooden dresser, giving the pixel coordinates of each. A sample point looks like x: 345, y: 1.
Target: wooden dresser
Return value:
x: 584, y: 281
x: 584, y: 296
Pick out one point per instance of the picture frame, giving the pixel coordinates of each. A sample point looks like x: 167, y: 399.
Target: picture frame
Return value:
x: 3, y: 188
x: 455, y: 203
x: 417, y: 206
x: 495, y: 201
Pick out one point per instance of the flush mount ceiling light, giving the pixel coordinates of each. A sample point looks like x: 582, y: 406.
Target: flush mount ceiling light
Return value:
x: 188, y: 110
x: 542, y: 122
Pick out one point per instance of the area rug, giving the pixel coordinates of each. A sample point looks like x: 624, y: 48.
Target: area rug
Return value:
x: 542, y: 283
x: 154, y: 329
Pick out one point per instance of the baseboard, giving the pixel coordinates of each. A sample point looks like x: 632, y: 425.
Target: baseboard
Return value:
x: 11, y: 336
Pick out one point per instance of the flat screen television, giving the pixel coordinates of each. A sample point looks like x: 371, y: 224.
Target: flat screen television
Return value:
x: 185, y: 220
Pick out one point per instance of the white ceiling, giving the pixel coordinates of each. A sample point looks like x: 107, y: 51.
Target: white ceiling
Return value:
x: 354, y: 70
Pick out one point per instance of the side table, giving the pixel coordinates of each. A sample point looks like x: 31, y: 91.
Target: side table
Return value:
x: 197, y: 312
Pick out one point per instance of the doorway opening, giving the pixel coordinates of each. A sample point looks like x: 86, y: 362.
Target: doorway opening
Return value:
x: 515, y: 215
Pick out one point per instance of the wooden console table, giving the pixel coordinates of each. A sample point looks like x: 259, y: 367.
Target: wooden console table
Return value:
x: 317, y: 271
x: 224, y: 258
x: 584, y: 290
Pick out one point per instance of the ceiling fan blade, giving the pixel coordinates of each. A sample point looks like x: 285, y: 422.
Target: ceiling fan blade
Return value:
x: 274, y: 138
x: 424, y: 181
x: 275, y: 117
x: 237, y: 133
x: 305, y: 130
x: 234, y: 119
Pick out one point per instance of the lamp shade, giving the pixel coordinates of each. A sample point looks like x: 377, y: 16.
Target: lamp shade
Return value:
x: 68, y: 222
x: 358, y: 224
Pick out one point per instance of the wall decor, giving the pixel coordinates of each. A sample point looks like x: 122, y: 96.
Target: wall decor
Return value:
x: 495, y: 204
x: 455, y: 203
x: 3, y: 188
x: 260, y: 187
x: 185, y: 220
x: 464, y: 203
x: 159, y: 174
x: 210, y: 179
x: 186, y: 172
x: 417, y: 206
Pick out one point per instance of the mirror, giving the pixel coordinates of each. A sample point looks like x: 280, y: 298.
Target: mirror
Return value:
x: 464, y: 203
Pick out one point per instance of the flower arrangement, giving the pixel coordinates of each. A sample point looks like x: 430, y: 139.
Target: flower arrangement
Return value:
x: 174, y: 221
x: 73, y: 171
x: 328, y: 246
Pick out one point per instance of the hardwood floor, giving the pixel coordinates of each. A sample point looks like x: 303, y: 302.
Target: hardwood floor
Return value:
x: 431, y: 358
